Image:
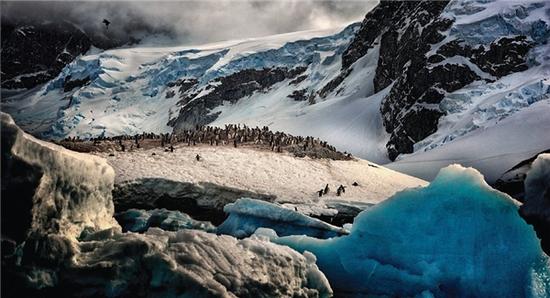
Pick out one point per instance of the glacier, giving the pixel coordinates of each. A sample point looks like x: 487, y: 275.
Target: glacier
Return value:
x: 454, y: 237
x: 124, y: 91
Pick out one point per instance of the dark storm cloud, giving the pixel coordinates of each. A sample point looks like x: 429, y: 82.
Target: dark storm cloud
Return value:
x: 192, y: 21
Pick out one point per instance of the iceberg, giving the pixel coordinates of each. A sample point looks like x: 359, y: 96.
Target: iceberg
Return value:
x: 455, y: 237
x: 247, y: 215
x: 48, y: 189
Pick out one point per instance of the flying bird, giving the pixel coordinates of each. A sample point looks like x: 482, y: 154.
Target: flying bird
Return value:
x: 106, y: 22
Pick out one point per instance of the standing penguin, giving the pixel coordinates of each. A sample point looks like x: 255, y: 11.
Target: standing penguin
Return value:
x: 326, y: 190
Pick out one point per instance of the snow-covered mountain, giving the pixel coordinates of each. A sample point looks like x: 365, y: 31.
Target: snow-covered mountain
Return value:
x: 421, y: 82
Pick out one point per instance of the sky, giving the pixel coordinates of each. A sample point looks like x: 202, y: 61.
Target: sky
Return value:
x: 192, y: 22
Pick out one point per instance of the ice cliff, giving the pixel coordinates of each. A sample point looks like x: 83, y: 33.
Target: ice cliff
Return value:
x: 47, y: 189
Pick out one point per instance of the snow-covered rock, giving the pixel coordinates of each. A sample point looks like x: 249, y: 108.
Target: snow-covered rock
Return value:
x: 247, y: 215
x: 47, y: 189
x: 536, y: 205
x: 457, y: 236
x: 34, y: 54
x: 492, y: 150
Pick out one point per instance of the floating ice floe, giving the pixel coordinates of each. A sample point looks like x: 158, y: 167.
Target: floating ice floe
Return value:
x: 247, y: 215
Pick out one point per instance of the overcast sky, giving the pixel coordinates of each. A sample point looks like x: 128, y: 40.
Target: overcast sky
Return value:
x: 194, y: 21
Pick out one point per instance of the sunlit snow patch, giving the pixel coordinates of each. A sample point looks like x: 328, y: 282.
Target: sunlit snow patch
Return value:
x: 456, y: 237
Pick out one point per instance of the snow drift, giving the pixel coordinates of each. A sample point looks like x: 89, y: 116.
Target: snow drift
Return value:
x: 245, y: 172
x: 455, y: 237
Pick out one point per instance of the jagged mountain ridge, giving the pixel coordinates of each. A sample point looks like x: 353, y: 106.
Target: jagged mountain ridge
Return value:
x: 412, y: 77
x: 32, y: 55
x: 35, y: 51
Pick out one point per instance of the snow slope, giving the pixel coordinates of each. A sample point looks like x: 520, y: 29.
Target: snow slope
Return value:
x: 492, y: 150
x: 264, y: 172
x: 350, y: 120
x: 127, y: 87
x: 131, y: 90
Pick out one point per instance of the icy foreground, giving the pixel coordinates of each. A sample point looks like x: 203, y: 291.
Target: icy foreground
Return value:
x: 455, y: 237
x: 67, y: 191
x: 59, y: 239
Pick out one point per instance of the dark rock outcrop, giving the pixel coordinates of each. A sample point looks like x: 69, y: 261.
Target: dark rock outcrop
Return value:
x: 299, y: 95
x: 70, y: 84
x: 35, y: 54
x: 536, y: 204
x: 202, y: 201
x: 231, y: 88
x: 512, y: 181
x: 405, y: 32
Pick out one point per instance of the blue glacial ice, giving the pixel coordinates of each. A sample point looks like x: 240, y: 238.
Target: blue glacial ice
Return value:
x: 456, y: 237
x: 247, y: 215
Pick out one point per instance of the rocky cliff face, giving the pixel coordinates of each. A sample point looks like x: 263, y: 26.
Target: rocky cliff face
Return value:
x: 231, y: 88
x: 35, y: 54
x: 424, y: 60
x: 536, y: 207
